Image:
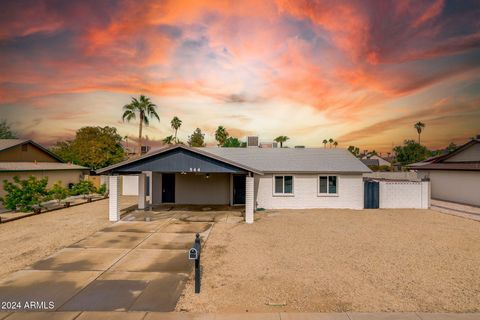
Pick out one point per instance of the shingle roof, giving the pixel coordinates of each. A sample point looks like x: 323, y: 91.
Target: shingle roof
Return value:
x: 38, y: 166
x: 370, y: 162
x: 292, y: 159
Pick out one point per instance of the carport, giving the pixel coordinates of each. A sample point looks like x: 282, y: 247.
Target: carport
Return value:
x: 184, y: 175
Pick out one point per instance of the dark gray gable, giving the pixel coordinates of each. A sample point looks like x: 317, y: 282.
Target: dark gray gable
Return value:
x: 178, y: 160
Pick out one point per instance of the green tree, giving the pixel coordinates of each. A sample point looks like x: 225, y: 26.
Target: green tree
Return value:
x: 281, y: 140
x: 93, y: 147
x: 145, y: 109
x: 24, y: 194
x: 452, y: 146
x: 335, y: 144
x: 5, y: 131
x: 232, y: 142
x: 84, y: 187
x: 411, y: 152
x: 419, y: 126
x: 197, y: 139
x: 221, y: 135
x: 330, y: 141
x: 354, y: 150
x: 176, y: 123
x: 168, y: 140
x: 325, y: 141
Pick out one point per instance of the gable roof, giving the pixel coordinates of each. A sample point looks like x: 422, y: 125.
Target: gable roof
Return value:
x: 370, y: 162
x: 6, y: 144
x: 152, y: 155
x: 262, y: 160
x: 293, y: 159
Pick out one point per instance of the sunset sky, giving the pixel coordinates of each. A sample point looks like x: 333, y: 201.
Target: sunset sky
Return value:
x: 360, y: 72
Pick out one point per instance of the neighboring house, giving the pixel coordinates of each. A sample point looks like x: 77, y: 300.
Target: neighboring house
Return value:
x: 370, y: 162
x: 380, y: 161
x: 455, y: 176
x: 270, y: 178
x: 24, y: 158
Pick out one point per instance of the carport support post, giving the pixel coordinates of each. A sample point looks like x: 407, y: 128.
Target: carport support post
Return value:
x: 249, y: 198
x: 114, y: 198
x: 142, y: 199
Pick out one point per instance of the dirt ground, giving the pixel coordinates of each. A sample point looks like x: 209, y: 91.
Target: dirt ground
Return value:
x: 340, y: 260
x: 27, y: 240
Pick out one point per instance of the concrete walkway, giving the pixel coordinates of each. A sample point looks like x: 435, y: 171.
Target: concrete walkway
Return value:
x: 130, y: 265
x: 236, y: 316
x: 456, y: 209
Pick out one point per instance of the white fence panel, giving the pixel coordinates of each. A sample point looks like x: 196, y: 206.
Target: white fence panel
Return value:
x: 405, y: 194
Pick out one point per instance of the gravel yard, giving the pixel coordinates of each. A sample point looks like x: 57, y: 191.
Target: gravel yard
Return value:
x: 340, y: 260
x: 27, y: 240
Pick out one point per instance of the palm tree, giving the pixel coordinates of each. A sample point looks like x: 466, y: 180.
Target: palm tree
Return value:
x: 145, y: 109
x: 169, y: 140
x: 176, y: 123
x: 419, y: 126
x: 330, y: 141
x: 281, y: 140
x: 221, y: 135
x: 335, y: 144
x: 325, y: 141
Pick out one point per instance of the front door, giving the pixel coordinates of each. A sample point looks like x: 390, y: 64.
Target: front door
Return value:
x: 168, y: 188
x: 239, y: 189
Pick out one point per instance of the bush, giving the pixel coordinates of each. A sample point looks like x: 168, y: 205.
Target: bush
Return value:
x: 58, y: 192
x: 84, y: 187
x: 24, y: 194
x: 102, y: 190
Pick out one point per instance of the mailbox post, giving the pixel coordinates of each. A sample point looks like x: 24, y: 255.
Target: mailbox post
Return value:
x: 194, y: 254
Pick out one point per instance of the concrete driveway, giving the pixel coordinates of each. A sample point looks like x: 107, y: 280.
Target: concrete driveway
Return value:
x: 132, y: 265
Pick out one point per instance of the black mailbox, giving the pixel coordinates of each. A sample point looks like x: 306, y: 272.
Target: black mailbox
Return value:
x: 193, y: 254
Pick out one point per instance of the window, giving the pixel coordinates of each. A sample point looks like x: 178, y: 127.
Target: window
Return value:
x: 327, y: 185
x: 283, y: 185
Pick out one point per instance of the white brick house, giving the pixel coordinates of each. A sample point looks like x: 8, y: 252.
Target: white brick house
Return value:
x: 270, y: 178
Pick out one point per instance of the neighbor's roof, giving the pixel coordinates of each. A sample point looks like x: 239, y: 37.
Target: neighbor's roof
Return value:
x: 10, y: 143
x: 370, y: 162
x: 38, y: 166
x: 292, y: 159
x: 438, y: 162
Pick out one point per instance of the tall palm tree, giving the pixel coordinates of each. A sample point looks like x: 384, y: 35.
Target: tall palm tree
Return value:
x: 221, y: 135
x: 176, y: 123
x: 419, y: 126
x: 325, y: 141
x: 145, y: 109
x: 335, y: 144
x: 281, y: 140
x: 330, y: 141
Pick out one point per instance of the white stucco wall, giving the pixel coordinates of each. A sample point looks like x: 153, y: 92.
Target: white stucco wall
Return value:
x: 404, y: 194
x: 196, y: 189
x: 456, y: 186
x: 130, y: 185
x: 305, y: 193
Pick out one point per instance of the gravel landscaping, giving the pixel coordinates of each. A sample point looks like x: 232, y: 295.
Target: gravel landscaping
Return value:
x: 340, y: 260
x: 27, y: 240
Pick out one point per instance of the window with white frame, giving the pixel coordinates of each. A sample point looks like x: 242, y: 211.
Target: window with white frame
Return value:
x: 283, y: 185
x: 327, y: 185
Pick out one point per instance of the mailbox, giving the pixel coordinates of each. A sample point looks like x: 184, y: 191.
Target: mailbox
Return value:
x: 193, y: 254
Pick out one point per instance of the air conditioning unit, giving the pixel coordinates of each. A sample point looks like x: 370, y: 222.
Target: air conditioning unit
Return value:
x: 252, y: 141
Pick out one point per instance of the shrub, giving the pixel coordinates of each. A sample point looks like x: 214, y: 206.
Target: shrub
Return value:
x: 58, y: 192
x: 84, y: 187
x: 24, y: 194
x: 102, y: 190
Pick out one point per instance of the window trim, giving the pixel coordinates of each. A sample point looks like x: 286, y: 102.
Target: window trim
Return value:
x: 327, y: 194
x: 283, y: 194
